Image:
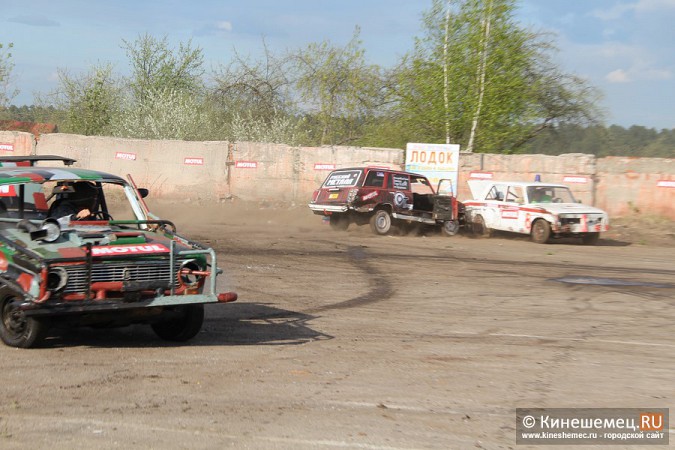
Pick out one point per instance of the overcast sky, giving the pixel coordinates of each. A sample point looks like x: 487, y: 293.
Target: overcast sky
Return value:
x: 623, y: 47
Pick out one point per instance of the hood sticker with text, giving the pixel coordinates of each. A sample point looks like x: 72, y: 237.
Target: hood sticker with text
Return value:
x: 128, y: 249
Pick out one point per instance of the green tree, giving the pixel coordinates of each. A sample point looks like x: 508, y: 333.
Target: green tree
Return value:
x: 479, y: 79
x: 261, y: 88
x: 87, y: 103
x: 155, y: 67
x: 338, y: 88
x: 252, y: 100
x: 163, y: 114
x: 166, y: 88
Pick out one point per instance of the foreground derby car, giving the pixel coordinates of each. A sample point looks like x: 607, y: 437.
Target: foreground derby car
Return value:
x: 542, y: 210
x: 386, y: 198
x: 64, y: 260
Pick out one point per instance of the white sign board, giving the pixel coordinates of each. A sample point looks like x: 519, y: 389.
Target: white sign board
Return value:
x: 435, y: 161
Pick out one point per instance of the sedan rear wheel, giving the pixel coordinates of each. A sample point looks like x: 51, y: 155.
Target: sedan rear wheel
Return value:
x: 479, y: 227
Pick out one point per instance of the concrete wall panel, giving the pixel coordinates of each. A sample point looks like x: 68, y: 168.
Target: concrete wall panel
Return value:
x: 631, y: 185
x: 16, y: 143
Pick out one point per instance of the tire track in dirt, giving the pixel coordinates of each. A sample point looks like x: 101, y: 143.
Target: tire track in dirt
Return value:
x: 380, y: 286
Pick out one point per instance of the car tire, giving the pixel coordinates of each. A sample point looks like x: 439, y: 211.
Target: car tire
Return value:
x: 479, y: 227
x: 17, y: 329
x: 450, y: 228
x: 381, y: 222
x: 541, y: 231
x: 339, y: 222
x: 183, y: 328
x: 590, y: 238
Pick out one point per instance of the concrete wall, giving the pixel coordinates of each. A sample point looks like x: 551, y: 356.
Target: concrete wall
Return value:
x: 209, y: 171
x: 214, y: 171
x: 630, y: 185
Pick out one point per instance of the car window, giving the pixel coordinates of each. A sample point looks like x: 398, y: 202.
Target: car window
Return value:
x: 117, y: 202
x: 342, y: 178
x: 375, y: 178
x: 549, y: 194
x: 401, y: 182
x: 420, y: 185
x: 497, y: 192
x: 34, y: 204
x: 515, y: 194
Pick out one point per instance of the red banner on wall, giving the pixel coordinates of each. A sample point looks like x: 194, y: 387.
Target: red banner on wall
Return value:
x: 578, y: 179
x: 246, y: 164
x: 481, y: 175
x: 194, y: 161
x: 125, y: 155
x: 324, y: 166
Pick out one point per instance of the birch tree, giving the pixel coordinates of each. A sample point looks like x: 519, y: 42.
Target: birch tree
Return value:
x: 7, y: 93
x: 479, y: 78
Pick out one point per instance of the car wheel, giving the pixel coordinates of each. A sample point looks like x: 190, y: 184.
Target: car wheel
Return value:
x: 183, y: 328
x: 450, y: 228
x: 479, y: 227
x: 16, y: 329
x: 541, y: 231
x: 380, y: 222
x: 590, y: 238
x: 339, y: 222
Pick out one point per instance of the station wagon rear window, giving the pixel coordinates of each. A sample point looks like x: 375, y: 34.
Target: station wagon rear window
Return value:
x: 343, y: 178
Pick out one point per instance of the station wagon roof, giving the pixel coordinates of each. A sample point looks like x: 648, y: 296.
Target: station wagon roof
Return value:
x: 386, y: 169
x: 16, y: 175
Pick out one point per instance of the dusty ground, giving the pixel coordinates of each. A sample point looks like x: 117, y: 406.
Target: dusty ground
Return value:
x: 349, y: 340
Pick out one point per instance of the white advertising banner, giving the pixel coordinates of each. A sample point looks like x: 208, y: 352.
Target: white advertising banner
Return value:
x: 435, y: 161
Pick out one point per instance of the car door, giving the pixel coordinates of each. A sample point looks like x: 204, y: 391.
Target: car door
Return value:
x: 494, y: 203
x: 401, y: 196
x: 510, y: 214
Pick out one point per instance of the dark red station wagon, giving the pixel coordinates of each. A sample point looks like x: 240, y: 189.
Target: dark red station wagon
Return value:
x: 385, y: 198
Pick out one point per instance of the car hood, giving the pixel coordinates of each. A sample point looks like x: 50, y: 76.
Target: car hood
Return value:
x: 105, y: 242
x: 569, y: 208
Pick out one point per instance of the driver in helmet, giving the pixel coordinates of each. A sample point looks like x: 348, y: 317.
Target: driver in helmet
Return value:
x: 75, y: 201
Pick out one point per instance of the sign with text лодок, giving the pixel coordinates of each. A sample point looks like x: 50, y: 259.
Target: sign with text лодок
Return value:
x: 435, y: 161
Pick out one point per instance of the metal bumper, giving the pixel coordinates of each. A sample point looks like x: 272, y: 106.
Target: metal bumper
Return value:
x: 102, y: 306
x: 320, y: 209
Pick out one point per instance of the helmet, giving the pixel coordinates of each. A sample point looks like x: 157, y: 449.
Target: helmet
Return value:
x: 82, y: 194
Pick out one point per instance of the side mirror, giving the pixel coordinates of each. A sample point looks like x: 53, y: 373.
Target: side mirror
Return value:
x: 143, y: 192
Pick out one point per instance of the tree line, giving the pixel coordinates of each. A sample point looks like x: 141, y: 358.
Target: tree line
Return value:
x: 474, y: 77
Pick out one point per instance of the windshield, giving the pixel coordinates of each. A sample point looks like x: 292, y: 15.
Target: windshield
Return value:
x: 38, y: 201
x: 549, y: 194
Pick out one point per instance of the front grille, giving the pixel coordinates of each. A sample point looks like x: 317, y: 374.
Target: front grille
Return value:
x: 135, y: 271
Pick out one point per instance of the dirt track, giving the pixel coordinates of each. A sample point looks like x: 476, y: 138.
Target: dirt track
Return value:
x: 349, y: 340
